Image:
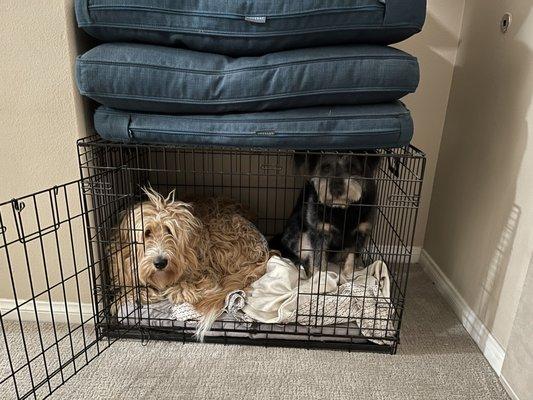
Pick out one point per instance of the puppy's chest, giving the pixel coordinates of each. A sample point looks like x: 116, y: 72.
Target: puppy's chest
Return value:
x: 337, y: 223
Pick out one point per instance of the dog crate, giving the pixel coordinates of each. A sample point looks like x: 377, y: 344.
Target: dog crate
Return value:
x: 55, y: 256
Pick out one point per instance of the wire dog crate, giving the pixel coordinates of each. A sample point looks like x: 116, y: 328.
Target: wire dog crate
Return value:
x: 56, y: 260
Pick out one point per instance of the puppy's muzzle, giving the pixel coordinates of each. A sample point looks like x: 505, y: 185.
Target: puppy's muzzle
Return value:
x: 160, y: 263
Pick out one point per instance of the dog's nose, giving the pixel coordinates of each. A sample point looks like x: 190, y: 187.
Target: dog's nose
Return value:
x: 336, y: 187
x: 160, y: 263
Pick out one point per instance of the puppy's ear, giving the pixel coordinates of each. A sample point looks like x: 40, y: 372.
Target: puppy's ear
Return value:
x: 371, y: 162
x: 306, y: 162
x: 299, y: 160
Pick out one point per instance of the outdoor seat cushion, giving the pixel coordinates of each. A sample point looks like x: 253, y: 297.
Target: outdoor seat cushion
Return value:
x: 151, y: 78
x: 340, y: 127
x: 251, y: 27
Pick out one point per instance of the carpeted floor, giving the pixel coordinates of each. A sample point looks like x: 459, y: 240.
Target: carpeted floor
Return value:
x: 436, y: 360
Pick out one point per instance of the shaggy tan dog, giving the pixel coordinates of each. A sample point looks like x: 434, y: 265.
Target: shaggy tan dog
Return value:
x: 195, y: 252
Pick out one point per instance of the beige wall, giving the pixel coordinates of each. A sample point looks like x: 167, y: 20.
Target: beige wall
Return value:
x: 436, y: 49
x: 41, y: 117
x: 480, y: 224
x: 39, y: 112
x: 480, y: 227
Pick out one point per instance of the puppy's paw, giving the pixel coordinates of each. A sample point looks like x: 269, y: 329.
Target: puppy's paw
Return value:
x: 364, y: 228
x: 351, y: 264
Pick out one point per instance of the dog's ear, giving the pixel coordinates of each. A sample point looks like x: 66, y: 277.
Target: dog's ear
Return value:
x: 306, y: 162
x: 371, y: 162
x: 299, y: 160
x: 156, y: 198
x: 171, y: 198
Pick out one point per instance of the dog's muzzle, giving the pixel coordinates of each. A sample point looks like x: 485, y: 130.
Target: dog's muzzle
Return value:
x: 160, y: 263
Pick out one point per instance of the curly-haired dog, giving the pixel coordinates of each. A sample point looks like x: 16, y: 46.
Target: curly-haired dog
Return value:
x: 332, y: 218
x: 195, y: 252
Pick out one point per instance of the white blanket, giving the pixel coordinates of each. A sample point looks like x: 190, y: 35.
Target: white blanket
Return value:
x: 285, y: 295
x: 280, y: 297
x: 274, y: 297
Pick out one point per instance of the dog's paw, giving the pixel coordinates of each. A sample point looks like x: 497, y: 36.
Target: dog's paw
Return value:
x: 183, y: 294
x: 364, y: 228
x: 174, y: 295
x: 190, y: 295
x: 147, y: 295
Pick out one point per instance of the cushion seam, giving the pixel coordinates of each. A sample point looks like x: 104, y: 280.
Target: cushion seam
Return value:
x: 186, y: 118
x: 289, y: 134
x: 409, y: 59
x: 244, y: 99
x: 248, y: 34
x: 196, y: 13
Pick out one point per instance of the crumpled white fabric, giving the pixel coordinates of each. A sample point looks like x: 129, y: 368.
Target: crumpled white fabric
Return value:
x: 274, y: 296
x: 282, y: 296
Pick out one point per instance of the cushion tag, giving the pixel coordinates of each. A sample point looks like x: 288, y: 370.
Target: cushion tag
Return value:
x: 266, y: 133
x: 256, y: 20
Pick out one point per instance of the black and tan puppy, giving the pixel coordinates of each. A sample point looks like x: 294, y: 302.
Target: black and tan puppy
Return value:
x: 330, y: 223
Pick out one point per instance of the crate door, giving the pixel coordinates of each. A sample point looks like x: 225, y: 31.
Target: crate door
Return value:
x: 52, y: 306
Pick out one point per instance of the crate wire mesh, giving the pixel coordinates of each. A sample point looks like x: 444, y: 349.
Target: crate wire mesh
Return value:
x: 268, y: 182
x: 48, y: 276
x: 55, y: 258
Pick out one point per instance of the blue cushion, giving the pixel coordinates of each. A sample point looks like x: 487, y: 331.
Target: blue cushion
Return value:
x: 339, y: 127
x: 151, y: 78
x: 245, y: 27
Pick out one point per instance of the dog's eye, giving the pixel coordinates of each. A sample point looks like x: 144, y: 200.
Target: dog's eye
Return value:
x: 147, y: 233
x: 167, y: 230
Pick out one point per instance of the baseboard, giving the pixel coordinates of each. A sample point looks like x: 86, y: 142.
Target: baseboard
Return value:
x: 416, y: 254
x: 44, y: 309
x: 488, y: 345
x: 508, y: 388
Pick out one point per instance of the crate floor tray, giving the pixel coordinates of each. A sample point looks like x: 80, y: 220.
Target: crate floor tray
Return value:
x: 341, y: 127
x: 244, y: 27
x: 161, y: 315
x: 166, y: 80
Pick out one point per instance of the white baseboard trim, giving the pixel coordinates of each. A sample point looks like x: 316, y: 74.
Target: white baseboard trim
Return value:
x: 44, y: 311
x: 488, y: 345
x: 508, y: 388
x: 416, y: 254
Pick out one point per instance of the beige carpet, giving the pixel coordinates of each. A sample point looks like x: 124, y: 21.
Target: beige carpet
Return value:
x: 436, y: 360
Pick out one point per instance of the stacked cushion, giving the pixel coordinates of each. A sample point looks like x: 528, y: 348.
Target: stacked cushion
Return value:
x: 151, y: 78
x: 175, y: 79
x: 251, y: 27
x: 339, y: 127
